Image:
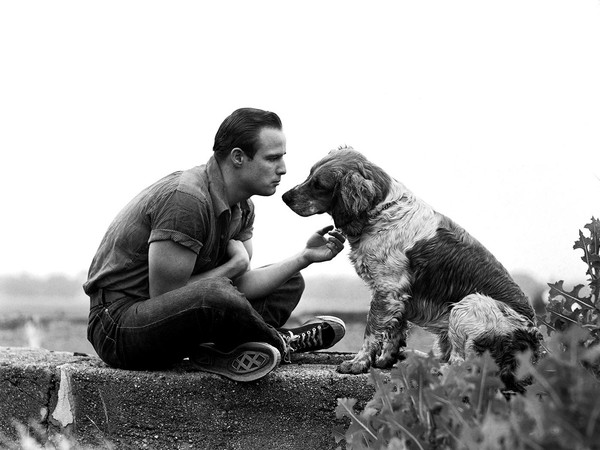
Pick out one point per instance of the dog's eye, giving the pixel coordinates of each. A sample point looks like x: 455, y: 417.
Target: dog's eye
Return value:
x: 318, y: 186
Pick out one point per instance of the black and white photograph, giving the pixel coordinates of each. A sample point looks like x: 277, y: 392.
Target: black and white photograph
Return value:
x: 300, y: 225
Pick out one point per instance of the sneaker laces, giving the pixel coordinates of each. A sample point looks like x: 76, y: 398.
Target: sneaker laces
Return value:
x: 312, y: 338
x: 286, y: 337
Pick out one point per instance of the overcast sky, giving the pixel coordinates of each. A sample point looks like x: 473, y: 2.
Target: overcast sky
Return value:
x: 487, y: 110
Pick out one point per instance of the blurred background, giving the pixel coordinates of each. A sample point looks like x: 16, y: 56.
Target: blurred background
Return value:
x: 487, y: 110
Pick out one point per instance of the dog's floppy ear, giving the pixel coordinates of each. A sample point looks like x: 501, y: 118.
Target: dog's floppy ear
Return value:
x: 354, y: 197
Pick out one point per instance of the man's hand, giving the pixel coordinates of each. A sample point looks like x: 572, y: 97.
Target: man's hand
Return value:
x: 238, y: 256
x: 324, y: 245
x: 237, y: 264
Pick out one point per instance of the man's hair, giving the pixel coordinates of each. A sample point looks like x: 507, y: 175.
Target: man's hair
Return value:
x: 241, y: 129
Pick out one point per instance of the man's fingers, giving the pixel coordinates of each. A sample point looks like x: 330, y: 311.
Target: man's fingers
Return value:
x: 332, y: 232
x: 334, y: 244
x: 324, y: 231
x: 338, y: 235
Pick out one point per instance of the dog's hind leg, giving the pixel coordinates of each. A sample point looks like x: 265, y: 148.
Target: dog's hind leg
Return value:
x: 444, y: 347
x: 459, y: 354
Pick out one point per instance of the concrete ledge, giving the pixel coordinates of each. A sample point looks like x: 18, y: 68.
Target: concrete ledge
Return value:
x: 291, y: 408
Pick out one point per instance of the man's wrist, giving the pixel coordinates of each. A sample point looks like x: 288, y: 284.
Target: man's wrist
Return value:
x: 304, y: 260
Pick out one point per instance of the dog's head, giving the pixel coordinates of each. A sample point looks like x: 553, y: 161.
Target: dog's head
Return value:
x: 344, y: 184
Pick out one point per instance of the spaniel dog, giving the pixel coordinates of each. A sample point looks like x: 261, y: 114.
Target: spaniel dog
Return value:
x: 421, y: 268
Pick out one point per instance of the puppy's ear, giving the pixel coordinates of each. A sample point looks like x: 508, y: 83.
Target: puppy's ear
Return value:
x: 354, y: 197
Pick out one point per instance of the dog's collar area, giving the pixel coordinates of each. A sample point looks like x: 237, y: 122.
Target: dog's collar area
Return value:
x: 370, y: 215
x: 380, y: 208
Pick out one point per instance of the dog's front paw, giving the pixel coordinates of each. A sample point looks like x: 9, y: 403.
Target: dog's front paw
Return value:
x: 387, y: 361
x: 355, y: 366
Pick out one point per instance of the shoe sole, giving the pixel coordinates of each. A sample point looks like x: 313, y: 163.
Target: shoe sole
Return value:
x: 247, y: 362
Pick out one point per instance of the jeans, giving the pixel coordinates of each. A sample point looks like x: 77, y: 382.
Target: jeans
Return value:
x: 155, y: 333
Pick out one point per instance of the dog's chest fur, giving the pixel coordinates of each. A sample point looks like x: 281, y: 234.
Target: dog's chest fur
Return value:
x: 381, y: 254
x: 411, y: 254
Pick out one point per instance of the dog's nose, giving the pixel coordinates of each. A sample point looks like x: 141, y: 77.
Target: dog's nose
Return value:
x: 287, y: 197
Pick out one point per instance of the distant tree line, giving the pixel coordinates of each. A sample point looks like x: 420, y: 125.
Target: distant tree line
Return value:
x: 325, y: 286
x: 27, y: 285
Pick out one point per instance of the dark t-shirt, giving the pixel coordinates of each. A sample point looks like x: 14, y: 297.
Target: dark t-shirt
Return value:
x: 188, y: 208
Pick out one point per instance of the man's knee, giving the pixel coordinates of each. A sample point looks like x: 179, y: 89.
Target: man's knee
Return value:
x: 221, y: 290
x: 297, y: 285
x: 216, y: 293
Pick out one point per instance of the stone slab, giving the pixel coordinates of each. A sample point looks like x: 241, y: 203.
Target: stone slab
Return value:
x: 292, y: 408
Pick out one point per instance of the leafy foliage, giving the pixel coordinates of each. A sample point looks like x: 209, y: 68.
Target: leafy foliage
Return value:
x: 423, y: 405
x: 581, y: 305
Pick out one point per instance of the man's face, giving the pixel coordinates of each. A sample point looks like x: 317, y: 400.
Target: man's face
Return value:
x: 263, y: 173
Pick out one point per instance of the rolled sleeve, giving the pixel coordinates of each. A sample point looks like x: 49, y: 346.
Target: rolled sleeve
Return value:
x: 180, y: 218
x: 175, y: 236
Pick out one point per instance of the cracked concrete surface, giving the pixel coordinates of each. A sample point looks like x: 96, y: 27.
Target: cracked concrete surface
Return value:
x: 63, y: 410
x: 293, y: 407
x: 28, y: 385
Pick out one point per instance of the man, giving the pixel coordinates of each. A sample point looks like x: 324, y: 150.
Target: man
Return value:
x: 172, y: 279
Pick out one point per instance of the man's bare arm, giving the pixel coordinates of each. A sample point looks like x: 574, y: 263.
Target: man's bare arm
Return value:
x: 171, y: 266
x: 324, y: 245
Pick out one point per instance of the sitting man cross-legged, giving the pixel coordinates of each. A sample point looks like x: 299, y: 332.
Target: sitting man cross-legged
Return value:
x: 172, y: 278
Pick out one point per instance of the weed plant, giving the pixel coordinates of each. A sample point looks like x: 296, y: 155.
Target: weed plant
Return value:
x: 423, y: 405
